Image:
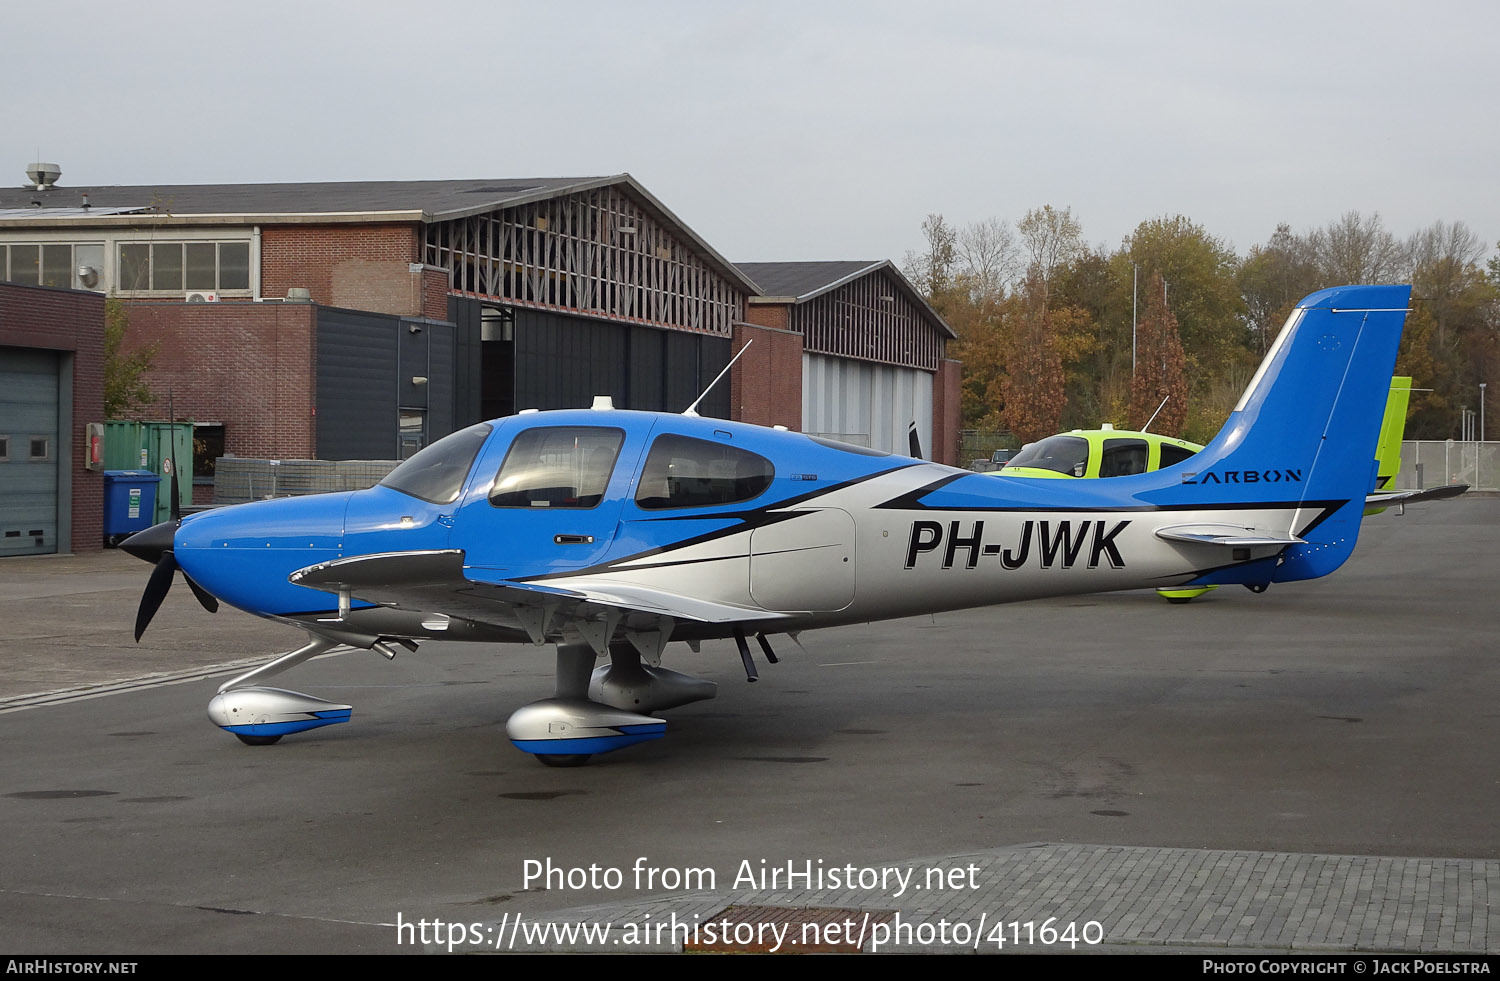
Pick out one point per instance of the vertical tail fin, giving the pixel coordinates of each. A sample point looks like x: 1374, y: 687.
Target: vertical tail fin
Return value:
x: 1305, y: 431
x: 1392, y: 430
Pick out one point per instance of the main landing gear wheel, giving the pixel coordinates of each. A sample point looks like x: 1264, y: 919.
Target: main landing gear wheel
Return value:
x: 257, y: 740
x: 563, y: 759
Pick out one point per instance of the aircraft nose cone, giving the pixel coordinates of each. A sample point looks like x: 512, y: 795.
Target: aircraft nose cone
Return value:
x: 149, y: 545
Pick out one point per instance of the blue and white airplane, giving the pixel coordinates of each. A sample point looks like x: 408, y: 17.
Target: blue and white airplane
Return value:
x: 609, y: 533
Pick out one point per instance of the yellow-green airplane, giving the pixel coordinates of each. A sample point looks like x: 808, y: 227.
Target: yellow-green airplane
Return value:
x: 1111, y: 452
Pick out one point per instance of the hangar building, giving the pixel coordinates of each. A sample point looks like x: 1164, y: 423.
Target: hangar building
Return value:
x: 871, y: 355
x: 363, y: 320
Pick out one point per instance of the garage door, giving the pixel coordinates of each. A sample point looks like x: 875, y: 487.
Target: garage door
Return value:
x: 866, y: 403
x: 28, y: 451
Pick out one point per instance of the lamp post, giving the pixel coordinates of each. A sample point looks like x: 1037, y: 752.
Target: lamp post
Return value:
x: 1481, y: 411
x: 1135, y: 277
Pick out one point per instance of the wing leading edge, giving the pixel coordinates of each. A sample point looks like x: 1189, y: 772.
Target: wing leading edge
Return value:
x: 435, y: 582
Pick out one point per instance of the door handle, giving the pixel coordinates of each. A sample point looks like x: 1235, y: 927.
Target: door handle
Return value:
x: 573, y: 539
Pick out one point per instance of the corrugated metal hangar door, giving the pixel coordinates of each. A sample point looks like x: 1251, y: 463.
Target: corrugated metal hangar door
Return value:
x: 866, y: 403
x: 28, y: 451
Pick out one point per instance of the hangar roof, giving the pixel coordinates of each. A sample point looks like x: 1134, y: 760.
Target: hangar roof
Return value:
x: 427, y: 200
x: 341, y: 202
x: 799, y: 282
x: 804, y: 280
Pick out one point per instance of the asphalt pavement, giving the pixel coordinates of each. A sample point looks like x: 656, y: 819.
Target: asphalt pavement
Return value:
x: 1312, y: 769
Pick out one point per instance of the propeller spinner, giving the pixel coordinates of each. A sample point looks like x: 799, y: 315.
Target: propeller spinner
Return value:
x: 154, y: 545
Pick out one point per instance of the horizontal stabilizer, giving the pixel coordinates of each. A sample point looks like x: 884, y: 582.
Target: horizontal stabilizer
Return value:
x: 1229, y: 536
x: 1416, y: 496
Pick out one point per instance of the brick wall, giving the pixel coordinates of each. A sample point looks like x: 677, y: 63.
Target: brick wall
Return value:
x: 71, y: 321
x: 434, y: 293
x: 947, y: 409
x: 359, y: 266
x: 778, y: 315
x: 766, y: 383
x: 252, y: 367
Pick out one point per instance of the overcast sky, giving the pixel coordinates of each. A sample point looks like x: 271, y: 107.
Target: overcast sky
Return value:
x: 793, y: 130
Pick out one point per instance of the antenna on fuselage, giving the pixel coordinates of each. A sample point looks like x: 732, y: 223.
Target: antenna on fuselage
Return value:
x: 1147, y: 427
x: 692, y: 410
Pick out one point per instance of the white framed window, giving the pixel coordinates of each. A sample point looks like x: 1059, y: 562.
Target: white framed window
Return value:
x: 78, y: 266
x: 135, y: 262
x: 171, y: 268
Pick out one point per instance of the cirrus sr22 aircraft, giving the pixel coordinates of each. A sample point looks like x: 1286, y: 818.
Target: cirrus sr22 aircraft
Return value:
x: 609, y: 533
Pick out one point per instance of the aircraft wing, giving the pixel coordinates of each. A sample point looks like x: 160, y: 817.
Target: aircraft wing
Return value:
x: 1412, y: 497
x: 435, y: 582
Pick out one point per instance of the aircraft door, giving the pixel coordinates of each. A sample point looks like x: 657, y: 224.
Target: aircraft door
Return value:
x: 554, y: 503
x: 804, y: 563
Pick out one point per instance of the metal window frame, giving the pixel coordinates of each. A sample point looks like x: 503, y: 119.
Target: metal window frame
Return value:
x: 116, y: 243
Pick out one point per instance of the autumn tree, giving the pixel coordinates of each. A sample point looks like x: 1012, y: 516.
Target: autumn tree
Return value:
x: 931, y: 268
x: 1272, y: 279
x: 1356, y: 248
x: 1452, y: 337
x: 1160, y: 370
x: 1052, y: 239
x: 1032, y: 387
x: 125, y: 388
x: 1094, y: 340
x: 988, y: 260
x: 1199, y: 270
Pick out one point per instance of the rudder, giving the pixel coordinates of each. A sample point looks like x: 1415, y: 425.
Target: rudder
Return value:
x: 1305, y: 431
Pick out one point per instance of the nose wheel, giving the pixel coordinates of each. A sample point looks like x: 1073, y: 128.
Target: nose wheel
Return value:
x: 563, y: 759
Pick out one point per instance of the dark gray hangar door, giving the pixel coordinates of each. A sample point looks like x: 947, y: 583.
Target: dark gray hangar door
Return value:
x: 562, y: 362
x: 28, y: 451
x: 385, y: 384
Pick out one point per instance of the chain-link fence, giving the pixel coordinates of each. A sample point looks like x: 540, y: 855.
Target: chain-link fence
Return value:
x: 1436, y: 463
x: 237, y: 479
x: 978, y: 445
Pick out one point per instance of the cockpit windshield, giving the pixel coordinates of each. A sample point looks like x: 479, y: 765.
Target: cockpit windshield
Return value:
x: 436, y: 473
x: 1062, y: 454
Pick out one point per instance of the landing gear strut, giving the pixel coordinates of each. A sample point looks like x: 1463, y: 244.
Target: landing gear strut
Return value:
x: 261, y: 716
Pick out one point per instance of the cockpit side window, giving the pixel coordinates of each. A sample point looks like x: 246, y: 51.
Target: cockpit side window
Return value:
x: 1123, y: 457
x: 682, y: 472
x: 1174, y: 454
x: 557, y: 467
x: 436, y: 473
x: 1062, y: 454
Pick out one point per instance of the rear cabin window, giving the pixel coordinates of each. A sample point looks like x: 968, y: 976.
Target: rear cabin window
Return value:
x: 1174, y: 454
x: 557, y: 467
x: 682, y: 472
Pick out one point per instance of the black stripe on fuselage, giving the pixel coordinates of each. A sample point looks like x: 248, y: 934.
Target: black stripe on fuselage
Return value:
x: 764, y: 516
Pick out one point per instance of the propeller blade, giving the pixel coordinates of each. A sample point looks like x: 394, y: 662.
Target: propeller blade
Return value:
x: 205, y: 598
x: 172, y: 459
x: 156, y: 591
